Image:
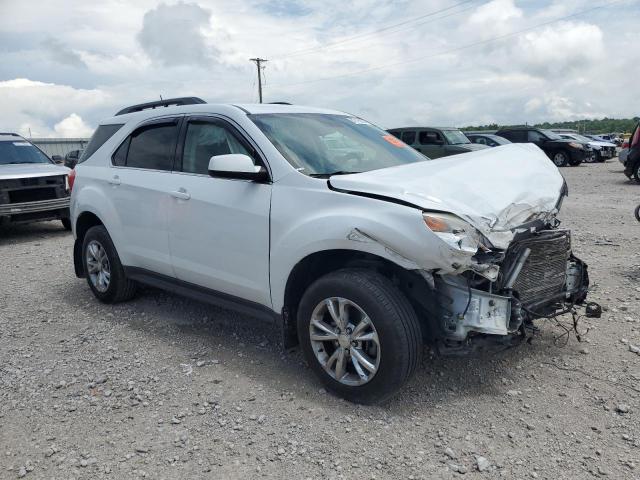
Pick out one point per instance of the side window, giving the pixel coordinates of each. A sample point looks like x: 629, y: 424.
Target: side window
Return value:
x: 430, y: 138
x: 409, y: 137
x: 516, y: 136
x: 205, y: 140
x: 100, y: 136
x: 150, y: 146
x: 480, y: 140
x: 535, y: 136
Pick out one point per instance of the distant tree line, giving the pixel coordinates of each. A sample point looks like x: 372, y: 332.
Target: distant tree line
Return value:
x: 605, y: 125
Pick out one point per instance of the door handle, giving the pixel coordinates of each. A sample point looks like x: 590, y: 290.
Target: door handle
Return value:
x: 115, y: 180
x: 181, y: 193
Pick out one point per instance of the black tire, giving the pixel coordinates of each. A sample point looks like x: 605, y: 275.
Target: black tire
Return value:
x: 636, y: 172
x: 637, y: 213
x: 66, y: 223
x: 597, y: 157
x: 120, y: 288
x: 391, y: 314
x: 560, y: 158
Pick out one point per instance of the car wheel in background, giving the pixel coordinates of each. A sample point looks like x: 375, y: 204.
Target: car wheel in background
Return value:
x: 103, y: 269
x: 560, y: 158
x: 66, y: 223
x: 360, y: 334
x: 594, y: 157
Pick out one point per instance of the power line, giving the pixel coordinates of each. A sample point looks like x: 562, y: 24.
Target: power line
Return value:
x: 452, y: 50
x: 304, y: 51
x: 259, y: 61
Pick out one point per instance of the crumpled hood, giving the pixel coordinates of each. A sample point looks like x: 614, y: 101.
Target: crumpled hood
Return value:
x: 30, y: 170
x: 496, y: 190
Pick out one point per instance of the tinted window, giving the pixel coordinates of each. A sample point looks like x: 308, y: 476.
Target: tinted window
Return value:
x: 20, y: 151
x: 101, y: 135
x: 480, y: 140
x: 120, y: 156
x: 409, y: 137
x: 517, y: 136
x: 153, y: 146
x: 430, y: 138
x: 205, y: 140
x: 535, y: 136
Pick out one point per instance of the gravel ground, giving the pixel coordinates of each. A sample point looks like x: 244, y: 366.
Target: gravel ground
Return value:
x: 162, y: 387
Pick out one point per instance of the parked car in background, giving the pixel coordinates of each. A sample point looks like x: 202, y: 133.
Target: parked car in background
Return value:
x: 602, y: 150
x: 632, y: 162
x: 561, y: 151
x: 32, y: 187
x: 71, y: 158
x: 436, y: 142
x: 488, y: 139
x: 244, y: 206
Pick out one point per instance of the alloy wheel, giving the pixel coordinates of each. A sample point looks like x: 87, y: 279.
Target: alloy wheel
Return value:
x: 98, y: 266
x: 345, y: 341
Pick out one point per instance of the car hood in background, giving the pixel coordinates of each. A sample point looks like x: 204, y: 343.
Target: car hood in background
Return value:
x: 496, y: 189
x: 602, y: 144
x: 30, y: 170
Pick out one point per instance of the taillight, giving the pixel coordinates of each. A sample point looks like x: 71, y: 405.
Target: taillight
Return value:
x: 71, y: 178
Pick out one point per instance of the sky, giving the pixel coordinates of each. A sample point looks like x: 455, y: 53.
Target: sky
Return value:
x: 66, y: 65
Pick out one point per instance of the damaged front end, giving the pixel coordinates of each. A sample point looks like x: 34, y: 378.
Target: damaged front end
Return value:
x: 537, y: 277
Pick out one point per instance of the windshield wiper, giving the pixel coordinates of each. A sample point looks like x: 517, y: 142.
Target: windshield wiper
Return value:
x: 327, y: 175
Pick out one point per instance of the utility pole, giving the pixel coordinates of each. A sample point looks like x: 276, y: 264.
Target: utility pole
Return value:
x: 259, y: 62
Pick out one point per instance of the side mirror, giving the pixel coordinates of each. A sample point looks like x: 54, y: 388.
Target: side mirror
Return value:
x: 237, y: 166
x: 57, y: 159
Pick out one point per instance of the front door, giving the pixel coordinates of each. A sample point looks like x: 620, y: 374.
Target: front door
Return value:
x: 431, y: 144
x: 218, y: 227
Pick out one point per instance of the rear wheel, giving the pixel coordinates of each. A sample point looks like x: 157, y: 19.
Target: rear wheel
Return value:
x: 359, y: 334
x: 560, y: 158
x: 104, y: 272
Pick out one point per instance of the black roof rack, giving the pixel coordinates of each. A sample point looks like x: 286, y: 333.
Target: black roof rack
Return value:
x: 9, y: 133
x: 161, y: 103
x: 280, y: 103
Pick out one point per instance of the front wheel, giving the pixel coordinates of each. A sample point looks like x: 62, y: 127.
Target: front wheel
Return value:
x: 637, y: 213
x: 561, y: 159
x: 636, y: 173
x: 102, y: 267
x: 359, y: 334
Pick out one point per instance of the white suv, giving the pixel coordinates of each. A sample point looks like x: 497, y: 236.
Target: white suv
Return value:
x: 357, y: 245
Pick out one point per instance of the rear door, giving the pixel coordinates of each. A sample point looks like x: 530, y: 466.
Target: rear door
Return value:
x: 139, y: 183
x: 219, y: 227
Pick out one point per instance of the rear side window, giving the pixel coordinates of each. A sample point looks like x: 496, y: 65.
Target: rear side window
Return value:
x: 151, y: 147
x: 100, y: 136
x: 516, y: 136
x: 430, y: 138
x: 409, y: 137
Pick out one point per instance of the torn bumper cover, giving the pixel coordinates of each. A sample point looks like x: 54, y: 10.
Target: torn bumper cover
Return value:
x: 538, y: 277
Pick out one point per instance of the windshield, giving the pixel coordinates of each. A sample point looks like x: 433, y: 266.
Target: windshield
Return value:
x: 455, y: 137
x: 20, y: 152
x: 581, y: 138
x: 552, y: 135
x: 323, y: 144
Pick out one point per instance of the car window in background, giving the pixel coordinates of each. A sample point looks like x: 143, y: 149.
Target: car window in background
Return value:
x: 455, y: 137
x: 515, y: 135
x: 99, y: 137
x: 152, y: 147
x: 20, y: 151
x: 430, y: 138
x: 205, y: 140
x: 409, y: 137
x: 480, y: 140
x: 535, y: 136
x: 321, y: 144
x: 552, y: 135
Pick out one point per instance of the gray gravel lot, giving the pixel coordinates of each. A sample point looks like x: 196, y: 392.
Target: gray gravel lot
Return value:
x: 162, y: 387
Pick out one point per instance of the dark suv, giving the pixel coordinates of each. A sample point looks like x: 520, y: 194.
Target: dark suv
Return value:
x: 436, y: 142
x: 563, y: 152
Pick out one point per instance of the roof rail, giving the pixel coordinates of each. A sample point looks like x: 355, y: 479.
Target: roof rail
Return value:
x: 161, y: 103
x: 280, y: 103
x: 9, y: 133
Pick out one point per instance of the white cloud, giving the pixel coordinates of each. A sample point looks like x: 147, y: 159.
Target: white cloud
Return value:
x: 72, y: 126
